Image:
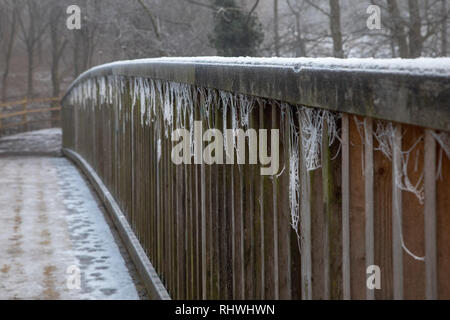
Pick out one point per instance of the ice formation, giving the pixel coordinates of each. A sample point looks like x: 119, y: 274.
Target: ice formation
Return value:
x: 169, y: 105
x: 385, y: 135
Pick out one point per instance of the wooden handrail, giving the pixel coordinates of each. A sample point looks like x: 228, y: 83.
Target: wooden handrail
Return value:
x: 19, y: 113
x: 27, y: 101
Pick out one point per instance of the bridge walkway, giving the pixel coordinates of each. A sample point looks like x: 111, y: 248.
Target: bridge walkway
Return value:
x: 55, y: 240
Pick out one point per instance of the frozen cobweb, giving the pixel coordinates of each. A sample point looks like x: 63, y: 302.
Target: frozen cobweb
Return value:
x: 294, y: 167
x: 443, y: 139
x: 312, y: 129
x: 385, y: 133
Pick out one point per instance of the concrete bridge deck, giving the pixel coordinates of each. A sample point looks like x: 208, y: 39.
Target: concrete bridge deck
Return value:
x: 52, y: 226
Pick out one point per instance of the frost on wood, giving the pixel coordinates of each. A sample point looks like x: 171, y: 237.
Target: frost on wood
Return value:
x: 294, y: 178
x: 167, y: 105
x: 385, y: 135
x: 312, y: 126
x: 443, y: 139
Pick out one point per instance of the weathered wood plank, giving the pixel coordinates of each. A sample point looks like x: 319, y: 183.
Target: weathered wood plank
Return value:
x: 443, y: 226
x: 249, y: 212
x: 346, y: 280
x: 331, y: 199
x: 238, y: 230
x: 258, y: 220
x: 397, y: 216
x: 318, y: 236
x: 413, y: 218
x: 383, y: 222
x: 357, y: 217
x: 284, y: 218
x: 215, y: 209
x: 305, y: 225
x: 430, y: 216
x: 269, y: 213
x: 369, y: 198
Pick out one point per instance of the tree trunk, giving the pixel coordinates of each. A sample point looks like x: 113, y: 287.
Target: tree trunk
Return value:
x: 57, y: 50
x: 30, y: 44
x: 444, y: 28
x: 335, y: 27
x: 415, y: 36
x: 275, y: 28
x: 8, y: 56
x: 30, y: 53
x: 300, y: 48
x: 398, y: 31
x: 76, y: 53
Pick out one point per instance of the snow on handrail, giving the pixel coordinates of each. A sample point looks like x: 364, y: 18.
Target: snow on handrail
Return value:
x: 411, y: 91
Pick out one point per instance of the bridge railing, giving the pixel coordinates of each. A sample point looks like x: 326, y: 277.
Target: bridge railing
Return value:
x: 21, y: 114
x: 361, y: 179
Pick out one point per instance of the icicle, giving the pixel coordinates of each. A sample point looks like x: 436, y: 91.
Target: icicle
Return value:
x: 134, y: 91
x: 210, y: 101
x: 158, y: 149
x: 226, y: 99
x: 102, y: 90
x: 246, y: 105
x: 191, y: 129
x: 152, y: 98
x: 110, y: 90
x: 167, y: 105
x: 142, y: 100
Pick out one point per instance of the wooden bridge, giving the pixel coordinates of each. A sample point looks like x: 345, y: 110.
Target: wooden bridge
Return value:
x: 363, y: 179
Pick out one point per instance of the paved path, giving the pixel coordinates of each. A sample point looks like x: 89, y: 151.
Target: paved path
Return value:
x: 51, y: 226
x: 46, y: 141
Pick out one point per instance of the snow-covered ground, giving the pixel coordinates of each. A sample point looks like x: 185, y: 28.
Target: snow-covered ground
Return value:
x: 39, y: 141
x: 52, y: 226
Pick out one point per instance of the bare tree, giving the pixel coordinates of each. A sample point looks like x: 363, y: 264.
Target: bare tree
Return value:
x: 276, y: 34
x: 8, y: 21
x: 334, y: 16
x: 32, y: 24
x: 58, y: 43
x: 412, y: 24
x: 300, y: 45
x: 444, y: 28
x: 335, y: 27
x: 84, y: 40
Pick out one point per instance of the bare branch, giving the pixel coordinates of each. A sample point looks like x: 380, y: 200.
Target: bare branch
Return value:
x: 152, y: 19
x: 312, y: 4
x: 251, y: 12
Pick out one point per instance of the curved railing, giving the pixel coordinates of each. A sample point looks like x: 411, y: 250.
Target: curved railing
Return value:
x: 347, y: 166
